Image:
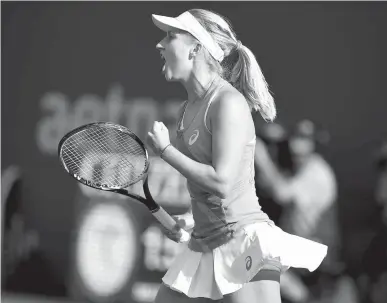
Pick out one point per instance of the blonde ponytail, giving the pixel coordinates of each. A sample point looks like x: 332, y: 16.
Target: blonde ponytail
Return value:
x: 239, y: 67
x: 247, y: 77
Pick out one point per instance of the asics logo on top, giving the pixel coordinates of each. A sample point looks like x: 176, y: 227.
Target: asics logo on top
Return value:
x: 193, y: 137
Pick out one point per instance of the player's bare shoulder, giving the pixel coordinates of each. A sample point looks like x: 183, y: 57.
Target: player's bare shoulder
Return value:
x: 229, y: 101
x: 230, y: 110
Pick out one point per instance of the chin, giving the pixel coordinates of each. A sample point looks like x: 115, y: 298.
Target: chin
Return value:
x: 170, y: 77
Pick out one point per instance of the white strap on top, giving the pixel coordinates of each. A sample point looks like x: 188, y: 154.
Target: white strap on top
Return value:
x: 208, y: 106
x: 182, y: 114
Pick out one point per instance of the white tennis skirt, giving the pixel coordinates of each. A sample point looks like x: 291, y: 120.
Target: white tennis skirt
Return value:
x: 228, y: 267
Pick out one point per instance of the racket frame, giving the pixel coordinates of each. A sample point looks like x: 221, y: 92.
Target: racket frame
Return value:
x: 148, y: 200
x: 158, y: 212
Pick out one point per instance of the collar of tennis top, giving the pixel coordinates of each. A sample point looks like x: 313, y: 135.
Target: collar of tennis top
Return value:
x: 187, y: 22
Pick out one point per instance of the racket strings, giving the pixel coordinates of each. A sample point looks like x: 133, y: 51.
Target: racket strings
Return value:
x: 106, y: 156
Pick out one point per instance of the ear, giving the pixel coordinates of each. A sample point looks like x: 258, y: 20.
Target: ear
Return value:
x: 195, y: 50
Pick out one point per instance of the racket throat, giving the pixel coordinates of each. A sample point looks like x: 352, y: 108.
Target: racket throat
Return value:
x: 152, y: 205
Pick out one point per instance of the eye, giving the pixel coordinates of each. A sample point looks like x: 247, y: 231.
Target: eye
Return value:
x: 171, y: 34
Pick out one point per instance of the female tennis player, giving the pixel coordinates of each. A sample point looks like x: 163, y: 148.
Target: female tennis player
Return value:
x: 236, y: 253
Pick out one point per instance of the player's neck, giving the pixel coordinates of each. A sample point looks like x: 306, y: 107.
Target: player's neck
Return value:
x: 198, y: 85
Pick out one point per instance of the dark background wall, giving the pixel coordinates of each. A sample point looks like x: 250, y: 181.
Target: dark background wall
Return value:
x: 66, y: 63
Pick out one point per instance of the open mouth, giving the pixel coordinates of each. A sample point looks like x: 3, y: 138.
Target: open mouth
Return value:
x: 164, y: 61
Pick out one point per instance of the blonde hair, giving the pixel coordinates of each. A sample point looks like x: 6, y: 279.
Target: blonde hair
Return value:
x: 239, y: 67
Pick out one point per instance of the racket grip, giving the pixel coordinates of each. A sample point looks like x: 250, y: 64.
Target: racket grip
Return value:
x: 169, y: 223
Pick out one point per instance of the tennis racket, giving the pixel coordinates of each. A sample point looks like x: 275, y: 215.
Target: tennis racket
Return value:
x: 110, y: 157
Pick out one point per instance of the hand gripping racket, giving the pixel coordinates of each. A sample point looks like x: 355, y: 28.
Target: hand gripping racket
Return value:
x: 110, y: 157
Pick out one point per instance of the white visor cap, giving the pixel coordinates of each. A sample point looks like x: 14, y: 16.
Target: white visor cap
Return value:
x: 187, y: 22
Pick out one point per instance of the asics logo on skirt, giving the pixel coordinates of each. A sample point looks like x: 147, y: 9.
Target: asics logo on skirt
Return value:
x: 193, y: 137
x: 249, y: 262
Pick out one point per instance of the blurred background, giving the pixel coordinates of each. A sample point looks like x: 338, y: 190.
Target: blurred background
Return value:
x: 65, y: 64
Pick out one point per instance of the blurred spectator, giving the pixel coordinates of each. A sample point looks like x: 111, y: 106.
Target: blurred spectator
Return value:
x: 24, y: 267
x: 375, y: 257
x: 305, y: 187
x: 274, y: 136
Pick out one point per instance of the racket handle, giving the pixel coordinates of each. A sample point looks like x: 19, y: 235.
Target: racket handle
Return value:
x: 169, y: 223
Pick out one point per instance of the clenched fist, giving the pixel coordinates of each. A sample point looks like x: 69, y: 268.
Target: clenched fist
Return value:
x: 158, y: 137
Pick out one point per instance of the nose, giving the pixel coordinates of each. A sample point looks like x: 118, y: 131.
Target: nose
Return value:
x: 160, y: 45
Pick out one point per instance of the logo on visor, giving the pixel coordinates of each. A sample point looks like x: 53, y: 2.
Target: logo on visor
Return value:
x: 249, y: 262
x: 193, y: 137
